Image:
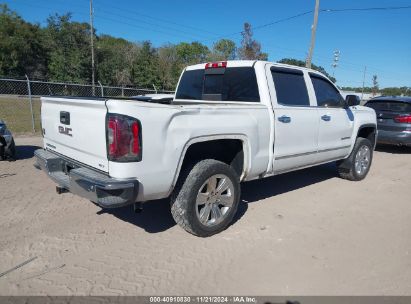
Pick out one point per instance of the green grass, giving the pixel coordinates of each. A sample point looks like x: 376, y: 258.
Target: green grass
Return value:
x: 15, y: 111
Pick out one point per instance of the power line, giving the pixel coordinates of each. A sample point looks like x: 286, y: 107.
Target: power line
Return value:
x: 328, y: 10
x: 135, y: 25
x: 388, y: 8
x: 161, y: 20
x: 254, y: 28
x: 142, y: 27
x: 281, y: 20
x: 267, y: 24
x: 47, y: 7
x: 311, y: 11
x: 185, y: 26
x: 146, y: 22
x: 324, y: 60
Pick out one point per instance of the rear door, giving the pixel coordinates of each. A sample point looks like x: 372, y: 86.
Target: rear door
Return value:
x: 75, y: 128
x: 296, y: 121
x: 336, y: 123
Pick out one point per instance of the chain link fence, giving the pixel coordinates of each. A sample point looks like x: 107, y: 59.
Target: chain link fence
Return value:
x: 20, y: 99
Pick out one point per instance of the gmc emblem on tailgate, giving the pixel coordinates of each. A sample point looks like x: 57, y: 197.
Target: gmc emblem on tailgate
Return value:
x: 65, y: 131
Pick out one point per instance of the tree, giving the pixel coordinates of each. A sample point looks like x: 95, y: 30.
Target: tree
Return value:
x: 68, y: 45
x: 224, y: 49
x: 169, y: 68
x: 145, y: 66
x: 192, y: 53
x: 300, y: 63
x: 21, y: 46
x: 391, y: 91
x: 250, y: 49
x: 375, y: 87
x: 395, y: 91
x: 115, y: 58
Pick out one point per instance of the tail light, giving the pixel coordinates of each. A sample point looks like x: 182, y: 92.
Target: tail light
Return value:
x: 216, y: 65
x: 123, y: 138
x: 403, y: 119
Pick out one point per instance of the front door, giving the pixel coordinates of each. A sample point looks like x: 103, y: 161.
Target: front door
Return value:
x: 336, y: 122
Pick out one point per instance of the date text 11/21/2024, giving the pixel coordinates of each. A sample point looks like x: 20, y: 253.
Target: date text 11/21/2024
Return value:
x: 204, y: 299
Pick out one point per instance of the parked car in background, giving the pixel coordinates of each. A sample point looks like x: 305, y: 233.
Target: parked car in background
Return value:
x: 393, y: 119
x: 7, y: 145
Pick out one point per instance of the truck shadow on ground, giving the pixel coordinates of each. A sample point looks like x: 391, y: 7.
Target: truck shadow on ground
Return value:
x: 393, y: 149
x: 25, y: 151
x: 256, y: 190
x: 156, y: 216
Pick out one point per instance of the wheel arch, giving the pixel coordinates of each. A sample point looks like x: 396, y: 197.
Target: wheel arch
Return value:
x: 368, y: 131
x: 211, y: 141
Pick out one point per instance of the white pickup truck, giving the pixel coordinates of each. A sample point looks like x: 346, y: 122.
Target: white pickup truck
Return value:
x: 229, y: 122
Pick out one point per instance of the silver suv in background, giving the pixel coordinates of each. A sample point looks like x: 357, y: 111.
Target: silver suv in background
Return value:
x: 393, y: 119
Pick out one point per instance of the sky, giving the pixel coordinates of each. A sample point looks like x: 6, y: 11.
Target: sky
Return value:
x: 379, y: 40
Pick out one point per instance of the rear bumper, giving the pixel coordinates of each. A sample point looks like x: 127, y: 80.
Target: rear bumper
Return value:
x: 88, y: 183
x: 394, y: 138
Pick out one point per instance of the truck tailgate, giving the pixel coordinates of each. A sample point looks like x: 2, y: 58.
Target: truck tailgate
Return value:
x: 75, y: 128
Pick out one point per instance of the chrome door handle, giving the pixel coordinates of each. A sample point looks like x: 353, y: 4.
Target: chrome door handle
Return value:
x: 326, y: 117
x: 284, y: 119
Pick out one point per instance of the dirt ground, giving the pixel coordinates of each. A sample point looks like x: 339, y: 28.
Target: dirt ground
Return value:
x: 303, y: 233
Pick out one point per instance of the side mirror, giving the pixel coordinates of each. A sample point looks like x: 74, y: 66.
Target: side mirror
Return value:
x: 352, y: 100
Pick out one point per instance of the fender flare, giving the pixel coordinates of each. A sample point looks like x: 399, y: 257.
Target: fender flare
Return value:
x: 369, y: 125
x: 194, y: 140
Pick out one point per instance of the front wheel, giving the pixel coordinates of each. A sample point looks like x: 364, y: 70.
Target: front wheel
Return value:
x: 206, y: 200
x: 357, y: 165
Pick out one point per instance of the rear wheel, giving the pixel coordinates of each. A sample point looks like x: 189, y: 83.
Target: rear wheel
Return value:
x: 206, y: 199
x: 11, y: 151
x: 357, y: 165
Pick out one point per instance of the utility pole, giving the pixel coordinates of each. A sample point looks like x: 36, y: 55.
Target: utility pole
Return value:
x: 92, y: 45
x: 313, y: 32
x: 363, y: 83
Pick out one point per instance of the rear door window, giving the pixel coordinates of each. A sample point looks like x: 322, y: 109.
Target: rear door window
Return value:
x: 240, y: 84
x: 230, y: 84
x: 290, y: 87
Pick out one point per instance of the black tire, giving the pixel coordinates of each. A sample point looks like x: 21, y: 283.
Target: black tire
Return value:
x: 183, y: 200
x: 3, y: 145
x: 11, y: 151
x: 346, y: 167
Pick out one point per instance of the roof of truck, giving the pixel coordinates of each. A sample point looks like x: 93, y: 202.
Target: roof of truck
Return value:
x: 230, y: 63
x: 249, y: 63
